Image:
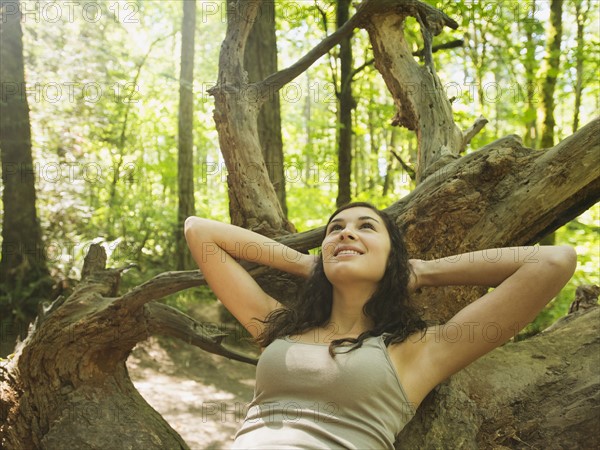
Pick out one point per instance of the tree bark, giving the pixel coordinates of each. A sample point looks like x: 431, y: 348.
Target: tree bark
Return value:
x: 253, y: 202
x: 185, y: 161
x: 237, y: 102
x: 23, y: 258
x: 67, y: 385
x: 346, y: 105
x: 502, y: 194
x: 552, y: 68
x: 421, y: 102
x: 260, y: 60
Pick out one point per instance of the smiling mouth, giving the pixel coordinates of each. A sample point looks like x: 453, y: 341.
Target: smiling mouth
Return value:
x: 347, y: 253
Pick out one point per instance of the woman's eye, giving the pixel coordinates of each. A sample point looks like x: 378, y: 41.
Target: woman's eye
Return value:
x: 335, y: 228
x: 367, y: 225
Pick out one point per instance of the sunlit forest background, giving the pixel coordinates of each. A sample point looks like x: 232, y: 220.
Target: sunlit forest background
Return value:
x: 102, y: 81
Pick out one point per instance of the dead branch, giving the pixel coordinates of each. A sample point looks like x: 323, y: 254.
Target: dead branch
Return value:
x: 470, y: 133
x: 167, y: 321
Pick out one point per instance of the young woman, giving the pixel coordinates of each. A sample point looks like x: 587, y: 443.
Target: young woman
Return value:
x: 346, y: 364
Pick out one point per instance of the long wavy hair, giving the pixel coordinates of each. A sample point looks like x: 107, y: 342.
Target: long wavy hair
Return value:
x: 388, y: 308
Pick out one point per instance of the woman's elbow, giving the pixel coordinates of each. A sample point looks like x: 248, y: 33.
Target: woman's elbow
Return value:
x: 191, y: 226
x: 564, y: 258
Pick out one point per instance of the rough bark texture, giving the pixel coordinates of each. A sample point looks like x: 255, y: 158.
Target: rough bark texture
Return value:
x: 418, y: 93
x: 543, y: 392
x: 260, y: 60
x: 67, y: 385
x: 503, y: 194
x: 253, y: 202
x: 185, y: 160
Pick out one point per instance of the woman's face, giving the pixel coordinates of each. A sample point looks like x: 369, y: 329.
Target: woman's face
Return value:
x: 356, y: 246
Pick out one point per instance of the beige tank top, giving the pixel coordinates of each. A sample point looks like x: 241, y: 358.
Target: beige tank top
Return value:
x: 304, y: 399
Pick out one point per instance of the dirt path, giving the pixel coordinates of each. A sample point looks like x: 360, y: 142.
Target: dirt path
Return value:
x: 202, y: 396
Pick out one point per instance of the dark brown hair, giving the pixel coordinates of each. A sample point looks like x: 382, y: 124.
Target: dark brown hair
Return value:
x: 388, y: 308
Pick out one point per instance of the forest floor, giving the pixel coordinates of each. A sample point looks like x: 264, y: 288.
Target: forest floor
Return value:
x: 203, y: 396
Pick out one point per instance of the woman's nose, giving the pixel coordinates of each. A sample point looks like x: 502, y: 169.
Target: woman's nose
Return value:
x: 347, y: 233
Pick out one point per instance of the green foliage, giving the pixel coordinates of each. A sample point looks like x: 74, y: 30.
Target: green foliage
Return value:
x: 104, y: 120
x: 104, y: 99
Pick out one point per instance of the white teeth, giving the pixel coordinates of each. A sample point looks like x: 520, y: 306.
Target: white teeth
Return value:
x: 348, y: 252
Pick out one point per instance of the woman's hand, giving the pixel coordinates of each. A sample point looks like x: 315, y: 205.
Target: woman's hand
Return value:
x: 218, y: 247
x: 310, y: 261
x: 414, y: 282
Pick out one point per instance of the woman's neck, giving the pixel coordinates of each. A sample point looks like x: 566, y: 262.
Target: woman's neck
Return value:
x: 347, y: 316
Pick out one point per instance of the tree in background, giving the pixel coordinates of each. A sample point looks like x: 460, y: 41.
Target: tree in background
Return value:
x: 552, y: 67
x: 253, y: 202
x: 346, y: 105
x: 260, y: 61
x: 532, y: 28
x: 581, y: 18
x: 23, y: 253
x: 185, y: 161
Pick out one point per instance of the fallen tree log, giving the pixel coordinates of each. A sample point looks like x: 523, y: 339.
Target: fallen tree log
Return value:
x: 503, y: 194
x: 67, y: 384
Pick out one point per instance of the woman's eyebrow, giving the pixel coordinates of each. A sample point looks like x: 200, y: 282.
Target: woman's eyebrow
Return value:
x: 368, y: 218
x: 360, y: 218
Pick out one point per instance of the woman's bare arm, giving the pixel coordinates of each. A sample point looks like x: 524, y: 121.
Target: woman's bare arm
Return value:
x: 525, y: 280
x: 216, y: 246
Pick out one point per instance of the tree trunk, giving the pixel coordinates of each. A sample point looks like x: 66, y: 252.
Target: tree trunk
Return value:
x: 67, y: 385
x: 500, y: 195
x: 390, y: 162
x: 581, y: 19
x: 418, y: 93
x: 476, y: 37
x: 531, y: 66
x: 308, y: 148
x: 346, y: 104
x: 552, y: 68
x: 185, y: 161
x: 23, y: 254
x: 253, y: 202
x: 260, y: 60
